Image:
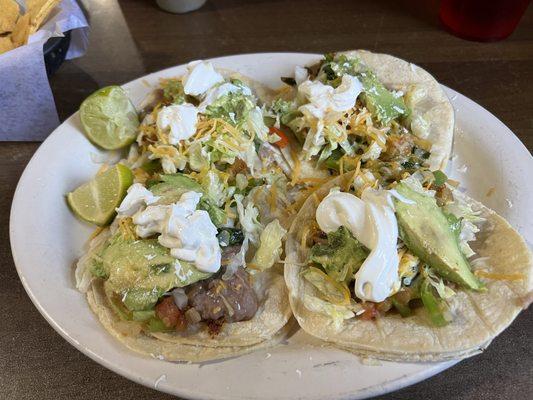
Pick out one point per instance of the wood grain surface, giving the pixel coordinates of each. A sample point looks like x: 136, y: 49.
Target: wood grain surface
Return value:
x: 130, y: 38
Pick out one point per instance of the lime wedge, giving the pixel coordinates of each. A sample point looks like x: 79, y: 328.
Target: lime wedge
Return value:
x: 96, y: 200
x: 109, y: 119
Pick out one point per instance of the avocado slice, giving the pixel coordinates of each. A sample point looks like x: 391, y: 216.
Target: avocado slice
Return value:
x: 172, y: 186
x: 381, y: 102
x: 140, y: 299
x: 141, y: 271
x: 427, y: 232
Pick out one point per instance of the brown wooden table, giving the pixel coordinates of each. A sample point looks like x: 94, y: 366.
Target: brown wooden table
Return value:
x: 131, y: 38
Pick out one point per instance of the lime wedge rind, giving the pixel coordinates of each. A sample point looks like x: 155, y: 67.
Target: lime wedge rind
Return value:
x: 109, y: 119
x: 95, y: 201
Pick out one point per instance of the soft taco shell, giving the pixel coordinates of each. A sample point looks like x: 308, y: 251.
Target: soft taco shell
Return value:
x: 479, y: 316
x: 129, y: 335
x: 273, y: 314
x: 269, y: 325
x: 434, y: 105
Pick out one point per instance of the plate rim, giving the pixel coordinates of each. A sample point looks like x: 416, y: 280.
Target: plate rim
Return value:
x: 128, y: 373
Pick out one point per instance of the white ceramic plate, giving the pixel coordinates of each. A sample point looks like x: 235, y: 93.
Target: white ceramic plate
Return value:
x: 46, y: 240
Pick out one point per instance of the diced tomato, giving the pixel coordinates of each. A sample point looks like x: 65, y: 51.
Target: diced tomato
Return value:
x: 283, y: 139
x: 371, y: 312
x: 384, y: 306
x: 170, y: 314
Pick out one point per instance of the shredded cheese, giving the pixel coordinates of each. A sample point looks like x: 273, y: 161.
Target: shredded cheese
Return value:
x: 253, y: 266
x: 317, y: 181
x: 273, y: 198
x: 102, y: 169
x: 140, y: 175
x: 96, y: 232
x: 127, y: 229
x: 163, y: 150
x: 296, y: 171
x: 305, y: 233
x: 227, y: 209
x: 350, y: 180
x: 499, y: 277
x: 422, y: 143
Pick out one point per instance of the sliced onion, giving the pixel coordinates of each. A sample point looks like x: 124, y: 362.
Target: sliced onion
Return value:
x: 193, y: 316
x: 238, y: 260
x: 180, y: 298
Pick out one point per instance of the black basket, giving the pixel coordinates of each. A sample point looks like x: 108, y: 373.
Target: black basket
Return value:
x: 55, y: 51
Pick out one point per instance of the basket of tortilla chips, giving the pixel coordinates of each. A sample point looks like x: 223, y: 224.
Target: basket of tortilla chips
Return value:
x: 16, y: 26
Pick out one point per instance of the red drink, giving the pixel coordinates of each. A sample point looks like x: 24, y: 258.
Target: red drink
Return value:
x: 483, y: 20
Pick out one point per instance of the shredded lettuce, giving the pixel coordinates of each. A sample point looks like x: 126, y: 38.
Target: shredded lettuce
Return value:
x: 337, y: 313
x: 215, y: 188
x: 88, y: 266
x: 255, y: 124
x: 333, y: 135
x: 248, y: 219
x: 284, y: 111
x: 270, y: 246
x: 443, y: 291
x: 241, y: 181
x: 415, y: 181
x: 372, y: 153
x: 168, y: 165
x: 468, y: 220
x: 251, y: 158
x: 335, y: 66
x: 362, y: 180
x: 198, y: 157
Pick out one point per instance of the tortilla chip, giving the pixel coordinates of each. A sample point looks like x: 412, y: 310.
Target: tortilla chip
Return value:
x: 8, y: 15
x: 21, y: 31
x: 39, y: 11
x: 5, y: 44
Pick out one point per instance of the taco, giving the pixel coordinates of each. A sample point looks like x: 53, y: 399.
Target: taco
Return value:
x: 361, y: 109
x: 187, y: 267
x: 416, y: 271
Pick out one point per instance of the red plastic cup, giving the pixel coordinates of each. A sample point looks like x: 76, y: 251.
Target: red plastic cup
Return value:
x: 482, y: 20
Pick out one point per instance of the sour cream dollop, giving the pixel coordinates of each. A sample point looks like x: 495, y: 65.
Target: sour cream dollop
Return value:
x: 138, y: 196
x: 188, y: 233
x: 324, y: 99
x: 372, y: 221
x: 200, y: 77
x: 180, y: 121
